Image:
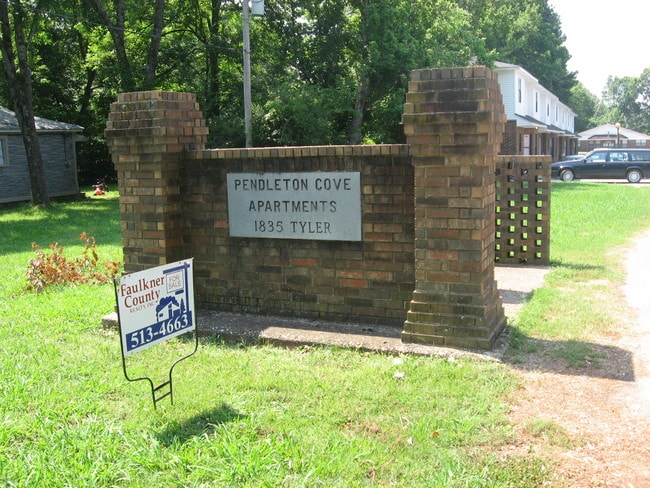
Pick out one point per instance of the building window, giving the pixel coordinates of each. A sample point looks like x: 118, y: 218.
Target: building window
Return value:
x: 3, y: 152
x: 536, y: 102
x: 519, y: 90
x: 640, y: 143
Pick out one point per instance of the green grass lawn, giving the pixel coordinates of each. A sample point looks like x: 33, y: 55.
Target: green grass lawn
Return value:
x: 264, y: 416
x: 592, y: 225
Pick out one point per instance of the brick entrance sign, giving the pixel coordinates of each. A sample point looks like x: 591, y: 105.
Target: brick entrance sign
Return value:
x: 454, y: 121
x: 398, y: 235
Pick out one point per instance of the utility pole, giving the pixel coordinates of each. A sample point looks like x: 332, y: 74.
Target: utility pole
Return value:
x: 258, y: 9
x: 248, y: 125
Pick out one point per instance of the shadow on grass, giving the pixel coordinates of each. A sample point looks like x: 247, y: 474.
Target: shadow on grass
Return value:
x: 568, y: 357
x: 518, y: 351
x: 204, y: 423
x: 558, y: 263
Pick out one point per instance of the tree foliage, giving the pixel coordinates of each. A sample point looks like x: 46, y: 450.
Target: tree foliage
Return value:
x: 625, y: 100
x: 330, y: 72
x: 585, y: 105
x: 526, y: 33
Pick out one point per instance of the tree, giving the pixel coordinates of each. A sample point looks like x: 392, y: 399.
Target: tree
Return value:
x: 394, y: 37
x: 300, y: 77
x: 19, y: 76
x: 526, y: 33
x: 115, y: 22
x: 351, y: 60
x: 627, y: 100
x: 323, y: 72
x: 203, y: 54
x: 644, y: 102
x: 585, y: 105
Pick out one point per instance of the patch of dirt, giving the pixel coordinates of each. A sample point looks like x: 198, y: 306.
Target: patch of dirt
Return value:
x: 591, y: 420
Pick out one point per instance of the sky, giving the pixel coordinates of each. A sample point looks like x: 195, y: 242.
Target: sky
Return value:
x: 605, y: 37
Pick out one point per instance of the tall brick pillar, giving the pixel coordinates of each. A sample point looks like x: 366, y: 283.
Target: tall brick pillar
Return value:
x: 147, y: 133
x: 454, y: 122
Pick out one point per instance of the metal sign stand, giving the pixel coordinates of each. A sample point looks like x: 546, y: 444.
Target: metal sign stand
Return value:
x: 166, y: 293
x: 155, y: 390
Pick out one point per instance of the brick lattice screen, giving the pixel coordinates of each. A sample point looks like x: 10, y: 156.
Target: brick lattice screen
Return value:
x: 523, y: 210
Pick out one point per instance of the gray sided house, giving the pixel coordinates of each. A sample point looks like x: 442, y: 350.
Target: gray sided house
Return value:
x: 57, y: 141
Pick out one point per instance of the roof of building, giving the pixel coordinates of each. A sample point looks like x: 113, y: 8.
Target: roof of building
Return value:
x: 502, y: 65
x: 529, y: 122
x: 609, y: 131
x: 9, y: 123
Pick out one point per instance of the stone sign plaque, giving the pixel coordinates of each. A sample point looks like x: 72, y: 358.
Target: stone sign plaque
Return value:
x: 316, y: 206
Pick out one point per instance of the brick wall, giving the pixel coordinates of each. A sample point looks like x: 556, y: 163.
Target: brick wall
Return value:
x: 368, y: 281
x: 427, y: 250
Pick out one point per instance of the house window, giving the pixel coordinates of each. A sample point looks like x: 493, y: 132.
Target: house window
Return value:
x: 519, y: 90
x: 3, y: 152
x: 536, y: 102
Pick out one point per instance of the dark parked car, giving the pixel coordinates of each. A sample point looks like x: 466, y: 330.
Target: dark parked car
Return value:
x: 574, y: 157
x: 633, y: 164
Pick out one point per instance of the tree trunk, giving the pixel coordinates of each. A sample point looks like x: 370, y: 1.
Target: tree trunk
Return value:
x: 363, y: 90
x: 356, y: 128
x: 154, y: 47
x: 20, y: 88
x: 116, y: 30
x: 212, y: 91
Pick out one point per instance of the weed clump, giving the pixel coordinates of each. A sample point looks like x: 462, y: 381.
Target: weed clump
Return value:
x: 51, y: 267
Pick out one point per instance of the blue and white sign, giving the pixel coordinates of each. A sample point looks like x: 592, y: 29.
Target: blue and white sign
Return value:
x: 155, y: 305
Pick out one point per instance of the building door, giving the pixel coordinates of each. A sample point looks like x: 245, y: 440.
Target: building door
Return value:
x: 526, y: 148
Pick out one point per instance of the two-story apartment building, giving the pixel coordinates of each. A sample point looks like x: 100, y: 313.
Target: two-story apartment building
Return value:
x: 537, y: 121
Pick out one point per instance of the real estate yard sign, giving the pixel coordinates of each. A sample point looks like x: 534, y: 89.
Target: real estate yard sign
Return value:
x: 154, y: 306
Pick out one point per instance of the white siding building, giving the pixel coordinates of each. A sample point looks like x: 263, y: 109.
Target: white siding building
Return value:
x: 538, y: 122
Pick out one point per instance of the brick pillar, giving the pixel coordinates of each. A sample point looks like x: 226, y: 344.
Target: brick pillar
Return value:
x: 147, y: 133
x: 454, y: 122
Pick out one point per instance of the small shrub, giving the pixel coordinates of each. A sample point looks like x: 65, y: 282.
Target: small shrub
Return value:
x: 53, y: 268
